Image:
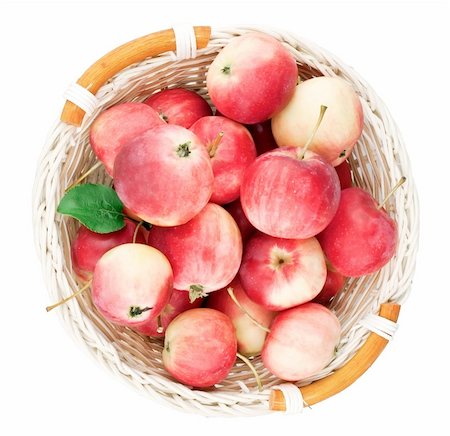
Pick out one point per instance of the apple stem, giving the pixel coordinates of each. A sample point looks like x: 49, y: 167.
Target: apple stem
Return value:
x: 392, y: 191
x: 84, y: 175
x: 136, y: 231
x: 302, y: 153
x: 253, y: 320
x: 212, y: 148
x: 252, y: 368
x: 75, y: 294
x: 160, y: 328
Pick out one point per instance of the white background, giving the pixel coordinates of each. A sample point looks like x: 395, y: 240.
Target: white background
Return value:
x: 49, y: 384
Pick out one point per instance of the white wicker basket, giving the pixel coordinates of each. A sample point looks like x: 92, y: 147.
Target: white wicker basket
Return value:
x: 132, y: 72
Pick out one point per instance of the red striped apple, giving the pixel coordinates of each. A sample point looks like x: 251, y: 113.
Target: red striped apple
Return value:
x: 250, y: 337
x: 200, y: 347
x: 118, y: 125
x: 132, y: 284
x: 164, y: 176
x: 179, y: 106
x: 252, y: 78
x: 290, y: 195
x: 282, y: 273
x: 231, y: 149
x: 301, y: 341
x: 361, y: 238
x: 341, y: 127
x: 205, y: 253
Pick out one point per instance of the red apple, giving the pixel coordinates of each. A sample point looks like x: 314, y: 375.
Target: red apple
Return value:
x: 88, y: 247
x: 342, y: 124
x: 231, y: 154
x: 252, y: 78
x: 361, y: 238
x: 205, y: 253
x: 178, y: 303
x: 287, y: 196
x: 179, y: 106
x: 250, y: 337
x: 282, y: 273
x: 118, y: 125
x: 333, y: 284
x: 200, y: 347
x: 344, y: 173
x: 132, y: 284
x: 164, y: 175
x: 301, y: 341
x: 263, y: 137
x: 245, y: 227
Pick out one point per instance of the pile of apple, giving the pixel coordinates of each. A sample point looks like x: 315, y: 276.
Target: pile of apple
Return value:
x: 254, y: 221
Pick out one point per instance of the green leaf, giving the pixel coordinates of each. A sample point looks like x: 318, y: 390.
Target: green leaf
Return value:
x: 96, y: 206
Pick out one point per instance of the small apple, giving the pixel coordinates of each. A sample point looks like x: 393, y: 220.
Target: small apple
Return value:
x: 333, y: 284
x: 164, y: 176
x: 361, y: 238
x: 205, y: 253
x: 132, y: 284
x: 344, y: 173
x: 250, y: 337
x: 252, y: 78
x: 200, y: 347
x: 288, y: 194
x: 179, y: 106
x: 301, y: 341
x: 342, y: 125
x: 118, y: 125
x: 231, y: 149
x: 282, y: 273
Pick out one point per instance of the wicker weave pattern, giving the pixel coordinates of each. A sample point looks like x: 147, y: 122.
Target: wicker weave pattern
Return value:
x: 378, y: 161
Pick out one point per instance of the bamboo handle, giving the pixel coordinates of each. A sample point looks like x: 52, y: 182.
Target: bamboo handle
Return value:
x: 121, y: 57
x: 345, y: 376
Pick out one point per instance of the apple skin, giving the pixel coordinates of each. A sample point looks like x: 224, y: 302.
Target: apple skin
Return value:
x: 263, y: 137
x: 118, y: 125
x: 341, y: 126
x: 250, y: 337
x: 360, y: 239
x: 235, y: 152
x: 200, y: 347
x: 132, y: 276
x: 333, y: 284
x: 282, y: 273
x: 344, y: 173
x: 179, y: 106
x: 88, y: 247
x: 252, y: 78
x: 245, y: 226
x: 205, y: 253
x: 301, y: 341
x: 285, y: 196
x: 164, y: 176
x: 178, y: 303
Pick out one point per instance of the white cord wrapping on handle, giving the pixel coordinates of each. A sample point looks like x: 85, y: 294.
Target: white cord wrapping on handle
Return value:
x: 293, y: 397
x: 185, y: 41
x: 83, y: 98
x: 381, y: 326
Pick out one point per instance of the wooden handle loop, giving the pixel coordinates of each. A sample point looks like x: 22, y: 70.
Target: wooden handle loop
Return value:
x: 343, y: 377
x: 125, y: 55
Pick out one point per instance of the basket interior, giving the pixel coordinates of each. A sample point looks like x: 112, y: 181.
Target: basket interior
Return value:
x: 377, y: 162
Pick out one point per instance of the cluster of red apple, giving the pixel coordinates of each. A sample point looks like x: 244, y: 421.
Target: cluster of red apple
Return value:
x: 248, y: 209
